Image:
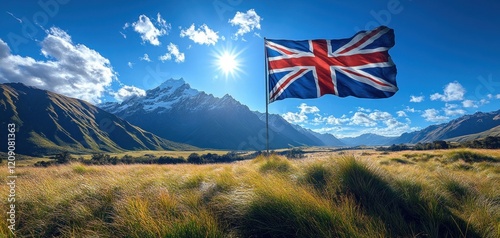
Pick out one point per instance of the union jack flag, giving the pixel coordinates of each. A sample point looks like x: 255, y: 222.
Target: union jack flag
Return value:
x: 359, y: 66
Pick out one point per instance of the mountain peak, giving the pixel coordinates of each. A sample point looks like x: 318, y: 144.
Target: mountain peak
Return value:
x: 173, y: 83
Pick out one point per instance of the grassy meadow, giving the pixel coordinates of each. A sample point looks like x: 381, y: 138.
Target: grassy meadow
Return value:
x: 442, y: 193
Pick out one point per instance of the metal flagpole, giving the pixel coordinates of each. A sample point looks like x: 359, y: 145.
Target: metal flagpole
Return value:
x: 267, y: 98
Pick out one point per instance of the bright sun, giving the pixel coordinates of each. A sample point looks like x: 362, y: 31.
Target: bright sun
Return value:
x: 227, y: 62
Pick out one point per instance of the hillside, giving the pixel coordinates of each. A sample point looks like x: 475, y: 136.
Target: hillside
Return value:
x: 463, y: 126
x: 49, y: 123
x: 495, y: 131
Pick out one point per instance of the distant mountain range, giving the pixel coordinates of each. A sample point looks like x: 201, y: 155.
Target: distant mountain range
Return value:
x: 179, y: 113
x: 174, y: 116
x: 465, y: 128
x: 368, y: 140
x: 479, y: 122
x: 49, y: 123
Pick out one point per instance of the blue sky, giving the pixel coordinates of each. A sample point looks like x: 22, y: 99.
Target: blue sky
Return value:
x: 446, y: 52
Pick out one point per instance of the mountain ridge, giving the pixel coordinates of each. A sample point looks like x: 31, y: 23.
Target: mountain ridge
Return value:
x: 462, y: 126
x: 226, y: 124
x: 368, y: 139
x: 49, y: 123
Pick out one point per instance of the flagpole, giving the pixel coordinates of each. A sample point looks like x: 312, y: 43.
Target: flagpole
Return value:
x: 267, y: 97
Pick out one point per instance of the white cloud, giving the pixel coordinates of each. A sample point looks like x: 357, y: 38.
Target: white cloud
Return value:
x: 331, y: 120
x: 173, y: 51
x: 17, y: 18
x: 202, y: 35
x: 475, y: 104
x: 324, y: 130
x: 410, y: 109
x: 453, y: 110
x: 401, y: 114
x: 305, y: 109
x: 130, y: 65
x: 161, y: 22
x: 145, y: 58
x: 294, y: 118
x: 452, y: 92
x: 380, y: 116
x: 432, y: 115
x: 469, y: 103
x: 497, y: 96
x: 416, y: 99
x: 70, y: 69
x: 246, y: 22
x: 361, y: 122
x: 127, y: 92
x: 362, y: 119
x: 362, y: 109
x: 148, y: 30
x: 299, y: 117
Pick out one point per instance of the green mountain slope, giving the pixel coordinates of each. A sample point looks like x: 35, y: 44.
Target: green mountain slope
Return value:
x: 49, y: 123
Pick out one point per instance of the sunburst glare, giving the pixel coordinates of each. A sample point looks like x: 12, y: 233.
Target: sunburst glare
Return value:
x: 228, y: 62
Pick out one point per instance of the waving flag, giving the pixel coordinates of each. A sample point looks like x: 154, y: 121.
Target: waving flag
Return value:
x: 359, y: 66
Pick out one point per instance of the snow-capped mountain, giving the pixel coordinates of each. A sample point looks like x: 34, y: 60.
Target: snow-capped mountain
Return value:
x: 177, y: 112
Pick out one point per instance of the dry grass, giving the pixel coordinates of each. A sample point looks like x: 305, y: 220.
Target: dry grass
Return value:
x: 158, y: 153
x: 358, y: 194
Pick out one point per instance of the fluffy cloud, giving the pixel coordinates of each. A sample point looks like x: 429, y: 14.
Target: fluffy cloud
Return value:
x: 410, y: 109
x: 380, y: 116
x: 246, y: 22
x: 130, y: 65
x: 453, y: 110
x: 452, y: 92
x: 416, y: 99
x: 173, y: 51
x: 294, y: 118
x: 331, y: 120
x: 145, y: 58
x: 305, y: 109
x: 300, y: 117
x: 148, y: 31
x: 70, y: 69
x: 401, y: 114
x: 202, y: 35
x: 127, y: 92
x: 432, y: 115
x: 362, y: 119
x: 469, y: 103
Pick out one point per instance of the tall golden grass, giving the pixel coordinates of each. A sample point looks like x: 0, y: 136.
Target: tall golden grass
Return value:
x: 363, y: 194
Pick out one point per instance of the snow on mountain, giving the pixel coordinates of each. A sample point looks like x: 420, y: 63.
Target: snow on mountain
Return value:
x: 177, y: 112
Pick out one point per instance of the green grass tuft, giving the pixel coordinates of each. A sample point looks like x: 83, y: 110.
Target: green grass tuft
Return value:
x: 469, y: 157
x: 277, y: 164
x: 318, y: 175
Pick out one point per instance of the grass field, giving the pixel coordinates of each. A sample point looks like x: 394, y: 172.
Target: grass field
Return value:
x: 446, y: 193
x: 29, y: 161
